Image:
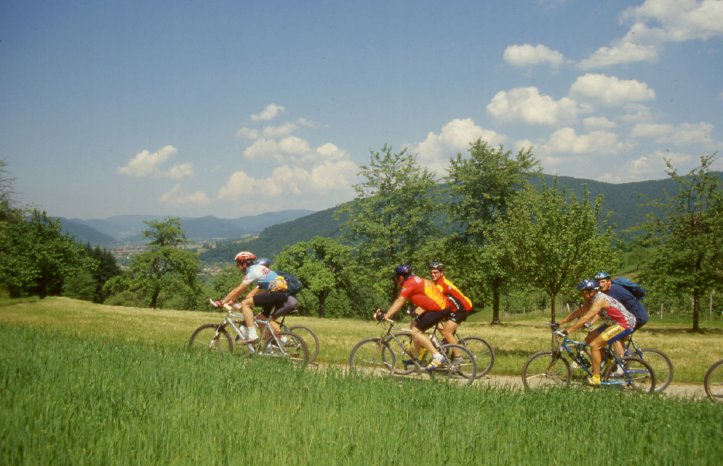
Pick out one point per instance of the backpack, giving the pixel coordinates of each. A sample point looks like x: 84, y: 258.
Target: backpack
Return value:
x: 292, y: 281
x: 637, y: 290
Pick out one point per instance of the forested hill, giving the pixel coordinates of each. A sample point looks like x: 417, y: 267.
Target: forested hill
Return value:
x: 627, y: 205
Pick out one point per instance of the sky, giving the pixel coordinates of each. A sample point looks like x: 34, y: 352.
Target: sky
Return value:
x: 231, y: 108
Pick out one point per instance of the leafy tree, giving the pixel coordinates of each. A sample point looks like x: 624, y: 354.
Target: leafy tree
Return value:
x: 107, y: 267
x: 688, y: 239
x: 482, y: 185
x: 554, y: 240
x: 394, y: 212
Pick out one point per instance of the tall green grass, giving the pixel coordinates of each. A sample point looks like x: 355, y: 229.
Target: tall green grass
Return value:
x: 70, y: 400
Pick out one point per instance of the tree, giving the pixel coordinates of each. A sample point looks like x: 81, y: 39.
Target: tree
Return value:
x: 553, y: 240
x: 482, y: 185
x: 394, y: 212
x: 688, y: 239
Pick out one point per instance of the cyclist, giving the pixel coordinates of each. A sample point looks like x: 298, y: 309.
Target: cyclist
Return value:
x: 461, y: 304
x: 266, y: 293
x: 619, y: 321
x: 431, y: 307
x: 622, y: 294
x: 279, y: 310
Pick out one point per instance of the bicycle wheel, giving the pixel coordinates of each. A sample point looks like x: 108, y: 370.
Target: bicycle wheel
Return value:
x: 292, y: 347
x: 459, y: 363
x: 661, y: 365
x: 713, y: 382
x: 483, y: 353
x: 545, y: 369
x: 211, y: 337
x: 309, y: 337
x: 366, y: 357
x: 637, y: 375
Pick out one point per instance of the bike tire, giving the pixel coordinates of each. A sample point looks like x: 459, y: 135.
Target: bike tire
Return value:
x: 545, y: 369
x: 713, y: 382
x: 309, y: 337
x: 211, y: 338
x: 293, y: 348
x: 372, y: 356
x: 465, y: 369
x: 639, y: 375
x: 483, y: 353
x: 662, y: 366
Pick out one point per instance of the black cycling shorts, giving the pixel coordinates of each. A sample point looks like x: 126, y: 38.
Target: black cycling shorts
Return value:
x: 460, y: 316
x: 430, y: 318
x: 269, y: 301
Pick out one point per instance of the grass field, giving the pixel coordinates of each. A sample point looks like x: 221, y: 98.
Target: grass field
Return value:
x: 88, y: 384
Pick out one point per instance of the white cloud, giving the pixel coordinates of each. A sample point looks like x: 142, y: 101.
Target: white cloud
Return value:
x: 179, y: 171
x: 455, y: 137
x: 566, y: 140
x: 269, y: 113
x: 146, y: 163
x: 529, y: 55
x: 619, y: 53
x: 526, y: 104
x: 174, y: 197
x: 609, y: 90
x: 685, y: 134
x: 599, y: 122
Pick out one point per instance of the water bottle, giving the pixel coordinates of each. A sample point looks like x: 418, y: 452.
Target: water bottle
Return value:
x: 583, y: 359
x: 422, y: 352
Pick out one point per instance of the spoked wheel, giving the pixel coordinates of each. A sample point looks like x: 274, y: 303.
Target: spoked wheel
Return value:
x: 545, y: 369
x: 310, y: 338
x: 661, y: 365
x: 211, y: 338
x: 483, y: 353
x: 459, y: 364
x: 372, y: 356
x: 291, y: 347
x: 638, y: 375
x: 714, y: 382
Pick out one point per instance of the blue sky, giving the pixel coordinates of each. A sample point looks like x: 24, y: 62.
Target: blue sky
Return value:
x: 233, y: 108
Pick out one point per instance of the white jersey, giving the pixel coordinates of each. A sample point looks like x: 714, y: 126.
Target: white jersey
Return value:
x: 261, y: 275
x: 614, y: 311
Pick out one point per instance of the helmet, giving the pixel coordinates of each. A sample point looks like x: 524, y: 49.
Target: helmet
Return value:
x: 264, y: 261
x: 245, y: 256
x: 602, y: 276
x: 403, y: 270
x: 436, y: 266
x: 587, y: 284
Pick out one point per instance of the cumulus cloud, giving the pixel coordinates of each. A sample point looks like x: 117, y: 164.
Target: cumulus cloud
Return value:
x: 684, y: 134
x: 146, y: 163
x: 609, y: 90
x: 269, y: 113
x: 174, y: 197
x: 455, y: 137
x: 598, y: 122
x: 530, y: 55
x: 567, y: 140
x: 180, y: 171
x: 526, y: 104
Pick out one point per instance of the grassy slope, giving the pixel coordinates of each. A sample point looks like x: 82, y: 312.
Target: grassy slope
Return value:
x: 513, y: 342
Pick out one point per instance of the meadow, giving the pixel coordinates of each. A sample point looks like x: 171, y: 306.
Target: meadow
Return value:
x: 89, y: 384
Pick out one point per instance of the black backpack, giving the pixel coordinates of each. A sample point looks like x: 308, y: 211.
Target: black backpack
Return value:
x: 637, y: 290
x: 292, y: 282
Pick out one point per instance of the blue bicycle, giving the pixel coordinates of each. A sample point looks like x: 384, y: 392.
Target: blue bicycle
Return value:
x: 554, y: 368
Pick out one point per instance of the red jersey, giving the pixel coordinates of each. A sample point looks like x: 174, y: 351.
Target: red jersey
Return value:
x: 424, y: 293
x: 459, y: 300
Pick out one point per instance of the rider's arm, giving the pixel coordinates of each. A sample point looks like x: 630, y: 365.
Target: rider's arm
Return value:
x: 575, y: 314
x: 235, y: 293
x: 595, y: 308
x: 395, y: 307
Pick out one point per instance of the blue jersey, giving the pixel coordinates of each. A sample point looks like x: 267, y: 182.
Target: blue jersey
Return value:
x: 631, y: 303
x: 261, y: 275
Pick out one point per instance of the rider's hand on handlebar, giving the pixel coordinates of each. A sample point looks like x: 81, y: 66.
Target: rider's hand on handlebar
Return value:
x: 378, y: 315
x: 554, y: 325
x: 217, y: 303
x: 561, y: 333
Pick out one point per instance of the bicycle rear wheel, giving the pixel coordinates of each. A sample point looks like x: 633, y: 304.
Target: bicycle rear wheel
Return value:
x: 545, y: 369
x: 212, y: 338
x: 714, y: 382
x: 309, y: 337
x: 483, y: 353
x: 459, y: 363
x: 372, y: 356
x: 661, y: 365
x: 637, y: 374
x: 291, y: 347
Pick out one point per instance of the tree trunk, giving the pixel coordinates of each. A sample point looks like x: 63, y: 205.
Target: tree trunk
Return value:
x: 696, y: 310
x: 496, y: 302
x: 552, y: 307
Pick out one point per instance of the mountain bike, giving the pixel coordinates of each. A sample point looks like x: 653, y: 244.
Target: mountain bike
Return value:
x: 308, y: 335
x: 552, y: 368
x: 217, y: 338
x: 659, y: 361
x: 713, y: 382
x: 379, y: 356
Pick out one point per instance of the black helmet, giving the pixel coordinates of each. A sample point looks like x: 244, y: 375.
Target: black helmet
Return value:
x: 602, y: 276
x: 587, y: 284
x: 436, y: 266
x: 403, y: 270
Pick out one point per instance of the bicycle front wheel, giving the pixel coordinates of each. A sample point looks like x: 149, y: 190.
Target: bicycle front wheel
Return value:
x: 637, y: 374
x: 661, y: 365
x: 714, y: 382
x: 290, y: 347
x: 309, y: 337
x: 459, y: 363
x: 483, y: 353
x: 545, y: 369
x: 211, y: 338
x: 372, y: 356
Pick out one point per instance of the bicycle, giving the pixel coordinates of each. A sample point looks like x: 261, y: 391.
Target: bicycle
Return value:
x: 552, y: 368
x: 216, y: 338
x: 713, y: 382
x: 377, y: 356
x: 659, y: 361
x: 482, y: 351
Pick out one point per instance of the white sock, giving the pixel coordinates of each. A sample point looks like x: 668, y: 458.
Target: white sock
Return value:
x: 252, y: 333
x: 244, y: 331
x: 438, y: 357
